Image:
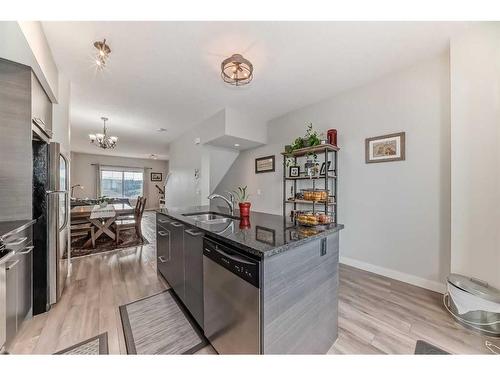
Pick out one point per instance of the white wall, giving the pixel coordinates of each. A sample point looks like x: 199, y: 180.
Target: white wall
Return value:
x: 475, y: 153
x: 183, y: 189
x: 397, y: 214
x: 44, y: 62
x: 24, y: 42
x: 84, y: 173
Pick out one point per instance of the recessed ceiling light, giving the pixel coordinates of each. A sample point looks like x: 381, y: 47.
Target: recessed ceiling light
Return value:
x: 236, y: 145
x: 161, y: 130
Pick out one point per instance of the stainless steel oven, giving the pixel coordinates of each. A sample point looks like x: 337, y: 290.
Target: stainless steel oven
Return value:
x: 231, y: 299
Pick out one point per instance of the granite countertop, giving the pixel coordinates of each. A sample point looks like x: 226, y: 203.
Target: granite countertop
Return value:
x: 265, y: 236
x: 10, y: 227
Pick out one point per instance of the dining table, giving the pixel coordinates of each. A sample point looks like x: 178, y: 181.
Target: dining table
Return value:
x: 101, y: 217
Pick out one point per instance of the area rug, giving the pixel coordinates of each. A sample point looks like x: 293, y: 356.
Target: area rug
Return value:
x: 93, y: 346
x: 159, y: 324
x: 424, y: 347
x: 104, y: 244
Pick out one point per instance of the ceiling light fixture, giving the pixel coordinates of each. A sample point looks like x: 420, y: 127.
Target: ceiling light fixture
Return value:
x: 236, y: 145
x: 236, y: 70
x: 102, y: 140
x: 153, y: 156
x: 102, y: 55
x: 161, y: 130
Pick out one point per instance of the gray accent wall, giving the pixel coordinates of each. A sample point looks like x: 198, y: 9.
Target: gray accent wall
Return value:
x: 396, y: 214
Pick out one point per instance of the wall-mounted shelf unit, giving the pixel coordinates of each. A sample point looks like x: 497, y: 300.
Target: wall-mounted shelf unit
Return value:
x: 327, y: 182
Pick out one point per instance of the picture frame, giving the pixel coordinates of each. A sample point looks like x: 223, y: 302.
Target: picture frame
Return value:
x: 294, y: 171
x: 156, y: 176
x: 384, y: 148
x: 323, y: 169
x: 265, y: 164
x: 265, y: 235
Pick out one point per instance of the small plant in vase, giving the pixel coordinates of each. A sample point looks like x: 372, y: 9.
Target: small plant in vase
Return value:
x: 242, y: 197
x: 102, y: 201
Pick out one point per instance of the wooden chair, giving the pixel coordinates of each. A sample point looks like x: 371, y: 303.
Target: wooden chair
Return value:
x: 83, y: 229
x: 129, y: 216
x: 121, y: 225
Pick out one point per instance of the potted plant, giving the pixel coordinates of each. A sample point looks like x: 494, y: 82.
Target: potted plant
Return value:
x: 242, y: 197
x: 102, y: 201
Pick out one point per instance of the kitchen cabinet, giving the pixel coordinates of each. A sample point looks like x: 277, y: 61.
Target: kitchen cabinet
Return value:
x: 24, y: 285
x: 170, y: 253
x: 180, y: 261
x: 193, y: 273
x: 163, y: 251
x: 11, y: 299
x: 19, y: 281
x: 177, y: 256
x: 41, y: 106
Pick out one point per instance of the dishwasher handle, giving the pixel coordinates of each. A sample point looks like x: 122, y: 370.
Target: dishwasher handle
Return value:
x: 235, y: 258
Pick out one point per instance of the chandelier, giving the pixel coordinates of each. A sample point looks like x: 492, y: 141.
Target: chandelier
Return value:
x: 236, y: 70
x: 102, y: 54
x: 102, y: 140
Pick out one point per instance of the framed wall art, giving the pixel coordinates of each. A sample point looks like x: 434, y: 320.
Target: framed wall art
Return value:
x: 264, y: 164
x: 155, y: 176
x: 390, y: 147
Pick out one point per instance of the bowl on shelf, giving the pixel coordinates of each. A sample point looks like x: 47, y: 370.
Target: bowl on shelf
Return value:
x: 315, y: 194
x: 308, y: 218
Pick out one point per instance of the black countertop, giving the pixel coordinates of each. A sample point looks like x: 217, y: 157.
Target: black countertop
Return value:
x: 264, y: 236
x: 10, y: 227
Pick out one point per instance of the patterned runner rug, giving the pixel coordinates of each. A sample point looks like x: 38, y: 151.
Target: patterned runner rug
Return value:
x: 93, y: 346
x: 159, y: 324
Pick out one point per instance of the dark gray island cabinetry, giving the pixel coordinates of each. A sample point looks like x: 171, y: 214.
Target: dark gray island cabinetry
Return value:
x: 264, y: 287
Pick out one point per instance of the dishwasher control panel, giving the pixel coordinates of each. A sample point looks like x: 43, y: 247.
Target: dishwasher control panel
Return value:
x: 233, y: 260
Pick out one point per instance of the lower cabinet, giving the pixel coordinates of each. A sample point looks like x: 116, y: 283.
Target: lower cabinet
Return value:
x: 193, y: 273
x: 180, y: 261
x: 19, y: 291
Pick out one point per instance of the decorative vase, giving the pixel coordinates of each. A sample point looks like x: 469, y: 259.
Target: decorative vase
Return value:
x: 245, y: 209
x: 244, y: 222
x: 332, y: 136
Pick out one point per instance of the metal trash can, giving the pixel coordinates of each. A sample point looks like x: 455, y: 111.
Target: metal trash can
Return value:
x: 474, y: 304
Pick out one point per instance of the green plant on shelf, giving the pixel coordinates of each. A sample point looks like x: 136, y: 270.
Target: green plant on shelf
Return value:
x: 310, y: 139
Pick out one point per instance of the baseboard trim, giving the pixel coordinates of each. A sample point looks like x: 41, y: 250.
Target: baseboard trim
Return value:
x: 393, y: 274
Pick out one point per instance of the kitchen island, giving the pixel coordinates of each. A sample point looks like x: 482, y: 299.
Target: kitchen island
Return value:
x: 281, y: 294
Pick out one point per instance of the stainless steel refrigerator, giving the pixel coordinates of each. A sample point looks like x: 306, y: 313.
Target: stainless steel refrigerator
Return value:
x: 51, y: 238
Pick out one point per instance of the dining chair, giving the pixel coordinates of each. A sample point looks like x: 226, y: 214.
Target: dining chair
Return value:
x: 121, y: 225
x: 83, y: 229
x: 130, y: 216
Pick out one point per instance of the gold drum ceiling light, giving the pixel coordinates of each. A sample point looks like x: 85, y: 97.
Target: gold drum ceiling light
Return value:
x: 236, y: 70
x: 102, y: 55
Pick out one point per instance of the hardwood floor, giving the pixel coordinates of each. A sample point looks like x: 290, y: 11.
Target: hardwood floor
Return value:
x: 376, y: 314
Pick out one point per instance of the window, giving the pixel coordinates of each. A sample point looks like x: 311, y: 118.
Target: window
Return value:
x: 121, y: 184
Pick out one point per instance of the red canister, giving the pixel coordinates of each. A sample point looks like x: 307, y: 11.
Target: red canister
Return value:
x: 331, y: 135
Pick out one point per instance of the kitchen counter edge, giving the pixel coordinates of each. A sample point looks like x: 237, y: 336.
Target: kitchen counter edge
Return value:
x: 262, y: 254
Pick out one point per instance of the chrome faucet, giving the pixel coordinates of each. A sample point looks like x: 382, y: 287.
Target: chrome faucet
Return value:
x: 230, y: 201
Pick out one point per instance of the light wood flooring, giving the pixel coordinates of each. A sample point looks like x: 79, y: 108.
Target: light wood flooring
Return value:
x: 376, y: 314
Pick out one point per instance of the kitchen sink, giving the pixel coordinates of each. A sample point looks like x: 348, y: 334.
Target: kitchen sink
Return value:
x: 210, y: 217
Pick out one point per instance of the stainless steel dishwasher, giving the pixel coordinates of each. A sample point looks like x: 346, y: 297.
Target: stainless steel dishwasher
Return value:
x: 231, y: 299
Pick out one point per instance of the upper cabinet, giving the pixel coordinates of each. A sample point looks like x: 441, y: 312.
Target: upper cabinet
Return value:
x: 41, y: 106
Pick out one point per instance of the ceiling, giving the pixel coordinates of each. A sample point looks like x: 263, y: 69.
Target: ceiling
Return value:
x: 167, y: 74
